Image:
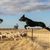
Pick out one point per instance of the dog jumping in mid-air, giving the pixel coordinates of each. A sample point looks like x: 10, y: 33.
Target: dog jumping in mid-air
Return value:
x: 32, y: 23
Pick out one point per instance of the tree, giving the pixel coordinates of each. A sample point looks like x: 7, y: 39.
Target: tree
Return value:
x: 16, y: 26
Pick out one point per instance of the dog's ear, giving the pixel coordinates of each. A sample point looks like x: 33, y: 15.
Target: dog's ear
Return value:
x: 23, y: 16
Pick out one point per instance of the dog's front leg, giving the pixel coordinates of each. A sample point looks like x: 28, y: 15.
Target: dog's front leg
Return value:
x: 25, y: 26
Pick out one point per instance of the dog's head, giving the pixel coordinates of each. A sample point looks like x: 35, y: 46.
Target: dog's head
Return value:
x: 23, y: 18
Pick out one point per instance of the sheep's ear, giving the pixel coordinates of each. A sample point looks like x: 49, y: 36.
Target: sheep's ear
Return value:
x: 23, y: 16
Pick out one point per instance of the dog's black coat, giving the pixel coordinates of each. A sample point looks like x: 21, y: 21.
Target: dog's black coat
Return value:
x: 31, y: 23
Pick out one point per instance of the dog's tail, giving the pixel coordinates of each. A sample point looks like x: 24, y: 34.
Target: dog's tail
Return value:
x: 47, y: 28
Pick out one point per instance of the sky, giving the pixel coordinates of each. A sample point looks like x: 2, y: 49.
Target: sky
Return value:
x: 12, y: 10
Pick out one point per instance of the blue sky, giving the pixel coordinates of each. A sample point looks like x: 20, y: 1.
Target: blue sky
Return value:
x: 12, y: 10
x: 10, y: 21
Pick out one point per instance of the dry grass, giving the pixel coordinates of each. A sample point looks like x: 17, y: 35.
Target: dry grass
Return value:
x: 41, y: 40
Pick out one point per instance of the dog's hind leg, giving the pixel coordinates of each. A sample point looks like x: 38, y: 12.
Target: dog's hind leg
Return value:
x: 46, y: 28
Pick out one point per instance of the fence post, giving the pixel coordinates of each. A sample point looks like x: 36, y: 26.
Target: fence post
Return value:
x: 32, y: 33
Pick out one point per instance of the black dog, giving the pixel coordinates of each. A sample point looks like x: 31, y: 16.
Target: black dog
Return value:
x: 31, y: 23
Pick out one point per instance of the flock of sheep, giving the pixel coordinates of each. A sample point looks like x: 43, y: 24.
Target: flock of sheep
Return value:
x: 11, y: 36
